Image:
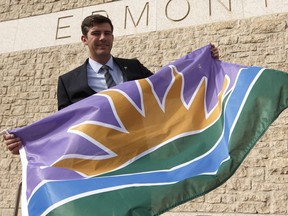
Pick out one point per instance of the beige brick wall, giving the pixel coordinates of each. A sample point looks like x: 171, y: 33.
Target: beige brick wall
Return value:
x: 29, y: 79
x: 15, y: 9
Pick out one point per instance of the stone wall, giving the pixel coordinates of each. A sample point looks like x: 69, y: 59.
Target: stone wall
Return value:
x: 28, y: 93
x: 16, y: 9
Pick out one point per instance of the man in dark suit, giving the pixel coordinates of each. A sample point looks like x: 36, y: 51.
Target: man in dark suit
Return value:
x: 91, y: 77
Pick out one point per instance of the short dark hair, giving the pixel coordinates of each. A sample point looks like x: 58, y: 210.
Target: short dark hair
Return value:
x: 93, y: 20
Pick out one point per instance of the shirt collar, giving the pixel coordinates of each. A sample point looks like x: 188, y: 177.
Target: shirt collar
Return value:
x: 96, y: 66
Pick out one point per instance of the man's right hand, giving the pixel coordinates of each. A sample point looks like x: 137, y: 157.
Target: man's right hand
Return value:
x: 13, y: 143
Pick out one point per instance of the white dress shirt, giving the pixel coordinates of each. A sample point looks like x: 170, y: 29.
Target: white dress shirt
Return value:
x: 95, y: 74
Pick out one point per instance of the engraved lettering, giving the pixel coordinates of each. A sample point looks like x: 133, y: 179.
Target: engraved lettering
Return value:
x: 127, y: 11
x: 227, y: 8
x: 185, y: 7
x: 61, y: 27
x: 101, y: 12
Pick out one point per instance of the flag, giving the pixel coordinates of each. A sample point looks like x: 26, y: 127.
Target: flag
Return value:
x: 146, y: 146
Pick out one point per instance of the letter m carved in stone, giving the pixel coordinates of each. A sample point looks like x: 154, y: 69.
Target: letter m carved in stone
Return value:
x: 129, y: 14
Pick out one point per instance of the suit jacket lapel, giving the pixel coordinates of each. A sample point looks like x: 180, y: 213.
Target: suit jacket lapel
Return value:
x: 123, y: 67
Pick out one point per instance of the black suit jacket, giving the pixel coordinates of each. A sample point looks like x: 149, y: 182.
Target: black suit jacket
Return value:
x: 73, y: 86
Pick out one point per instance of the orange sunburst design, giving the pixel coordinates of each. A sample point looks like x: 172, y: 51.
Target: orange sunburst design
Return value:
x: 145, y: 133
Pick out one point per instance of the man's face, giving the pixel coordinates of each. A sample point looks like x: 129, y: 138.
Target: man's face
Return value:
x: 100, y: 41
